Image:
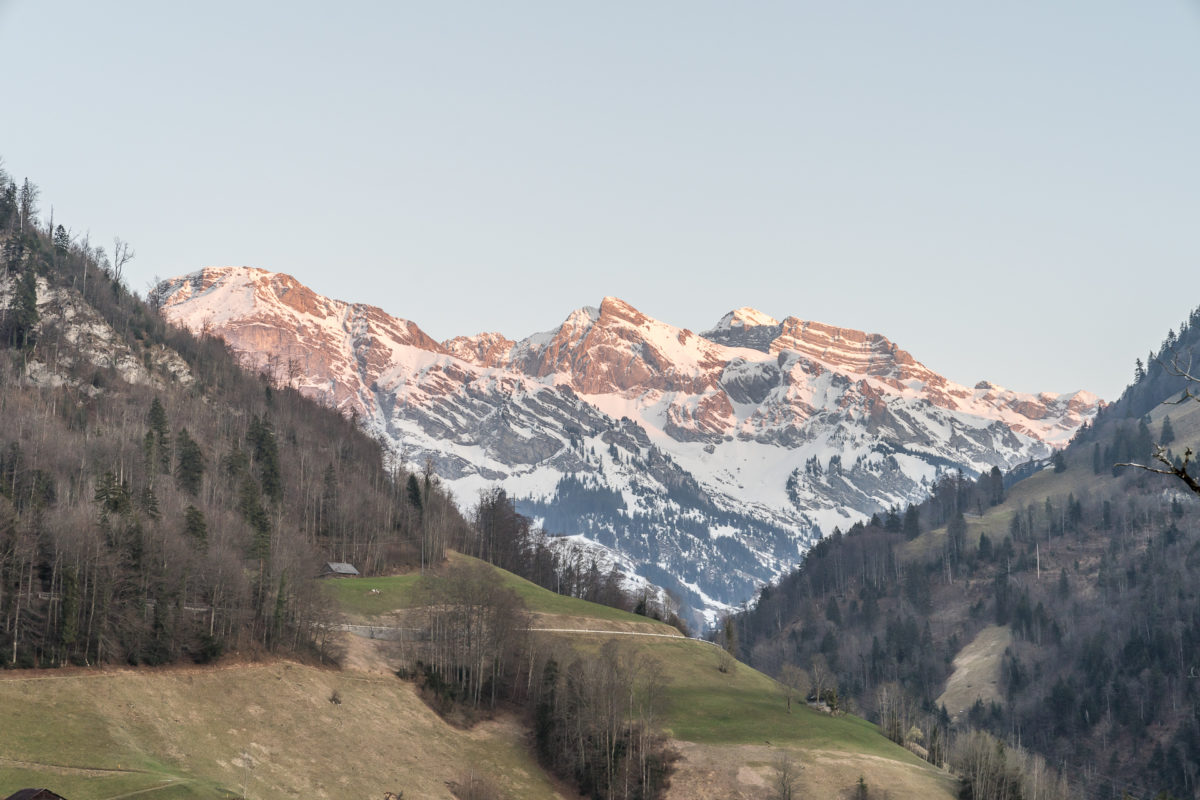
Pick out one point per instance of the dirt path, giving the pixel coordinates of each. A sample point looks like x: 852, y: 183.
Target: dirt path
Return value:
x: 167, y: 783
x: 74, y: 673
x: 93, y: 772
x: 606, y: 632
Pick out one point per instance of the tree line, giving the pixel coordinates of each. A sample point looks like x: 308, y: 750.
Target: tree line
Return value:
x: 502, y: 536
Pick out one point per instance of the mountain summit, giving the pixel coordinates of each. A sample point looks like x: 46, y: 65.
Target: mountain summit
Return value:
x: 708, y: 461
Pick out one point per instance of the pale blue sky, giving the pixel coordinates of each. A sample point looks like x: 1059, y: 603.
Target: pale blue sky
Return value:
x: 1009, y: 191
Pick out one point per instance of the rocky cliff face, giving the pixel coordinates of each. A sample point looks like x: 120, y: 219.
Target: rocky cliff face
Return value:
x: 711, y: 460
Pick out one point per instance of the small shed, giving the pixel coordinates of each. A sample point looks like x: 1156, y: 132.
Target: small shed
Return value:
x: 339, y: 569
x: 35, y: 794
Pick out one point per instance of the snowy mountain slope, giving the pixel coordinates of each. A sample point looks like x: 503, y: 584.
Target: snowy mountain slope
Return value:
x: 710, y: 460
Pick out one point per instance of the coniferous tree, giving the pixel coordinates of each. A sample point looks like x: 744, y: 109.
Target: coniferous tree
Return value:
x: 414, y: 492
x: 62, y: 240
x: 22, y: 313
x: 1168, y: 433
x: 28, y: 207
x: 912, y: 522
x: 195, y: 527
x: 250, y: 506
x: 266, y: 457
x: 956, y: 531
x: 189, y: 469
x: 157, y: 420
x: 1143, y: 445
x: 8, y: 201
x: 995, y: 487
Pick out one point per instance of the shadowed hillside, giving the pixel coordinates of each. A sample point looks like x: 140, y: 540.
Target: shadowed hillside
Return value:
x: 1057, y: 610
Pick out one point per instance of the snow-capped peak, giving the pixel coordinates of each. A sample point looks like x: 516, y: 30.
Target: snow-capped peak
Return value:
x: 582, y: 317
x: 743, y: 318
x: 645, y: 436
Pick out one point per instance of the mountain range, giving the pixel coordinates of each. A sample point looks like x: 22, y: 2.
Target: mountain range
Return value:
x: 706, y: 463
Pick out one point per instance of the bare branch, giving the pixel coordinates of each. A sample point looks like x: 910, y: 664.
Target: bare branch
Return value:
x: 122, y: 255
x: 1181, y: 471
x: 1177, y: 369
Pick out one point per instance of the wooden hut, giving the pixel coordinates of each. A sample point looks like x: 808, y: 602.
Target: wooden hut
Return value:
x: 339, y: 569
x: 35, y: 794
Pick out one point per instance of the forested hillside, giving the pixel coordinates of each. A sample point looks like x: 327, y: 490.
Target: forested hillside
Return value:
x: 157, y: 502
x: 1087, y: 574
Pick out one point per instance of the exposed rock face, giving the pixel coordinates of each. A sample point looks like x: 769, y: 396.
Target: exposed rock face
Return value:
x: 711, y: 460
x: 87, y: 348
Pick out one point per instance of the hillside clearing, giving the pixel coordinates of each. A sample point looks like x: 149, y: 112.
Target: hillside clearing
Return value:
x: 368, y: 598
x: 976, y: 673
x: 746, y: 772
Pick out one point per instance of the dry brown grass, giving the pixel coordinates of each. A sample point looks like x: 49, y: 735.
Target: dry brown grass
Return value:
x: 746, y: 772
x: 269, y: 725
x: 976, y: 673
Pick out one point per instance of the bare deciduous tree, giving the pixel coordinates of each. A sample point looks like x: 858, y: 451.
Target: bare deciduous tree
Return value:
x: 122, y: 255
x: 796, y: 683
x: 784, y: 785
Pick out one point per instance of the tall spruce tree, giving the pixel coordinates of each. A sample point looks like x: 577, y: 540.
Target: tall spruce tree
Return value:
x: 22, y: 313
x: 1168, y: 433
x: 195, y: 527
x: 189, y: 468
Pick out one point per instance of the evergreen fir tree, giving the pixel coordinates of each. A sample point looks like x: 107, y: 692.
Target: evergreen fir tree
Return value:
x: 414, y: 492
x: 189, y: 469
x: 195, y: 526
x: 62, y: 240
x: 1168, y: 433
x: 157, y: 420
x: 912, y: 522
x: 266, y: 457
x: 22, y: 312
x: 995, y: 487
x: 1143, y: 446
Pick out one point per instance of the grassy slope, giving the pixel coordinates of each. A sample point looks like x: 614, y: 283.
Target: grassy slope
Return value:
x: 396, y: 592
x: 728, y: 716
x: 271, y: 725
x: 185, y: 730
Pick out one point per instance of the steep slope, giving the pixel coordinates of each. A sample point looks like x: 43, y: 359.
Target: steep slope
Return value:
x: 265, y: 730
x: 730, y: 727
x: 157, y: 503
x: 268, y: 729
x: 1060, y: 608
x: 712, y: 461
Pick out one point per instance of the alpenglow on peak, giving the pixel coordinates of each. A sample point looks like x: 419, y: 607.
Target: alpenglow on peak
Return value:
x: 744, y: 317
x: 710, y: 462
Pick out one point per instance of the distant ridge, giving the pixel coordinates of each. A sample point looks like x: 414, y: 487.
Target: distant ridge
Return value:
x: 709, y: 462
